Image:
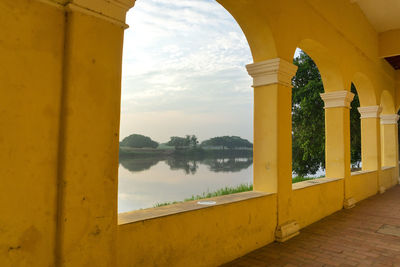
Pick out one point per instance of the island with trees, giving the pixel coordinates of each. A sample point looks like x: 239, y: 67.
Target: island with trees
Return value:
x: 140, y: 146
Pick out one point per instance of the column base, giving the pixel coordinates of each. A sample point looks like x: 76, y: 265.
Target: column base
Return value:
x: 286, y: 231
x: 382, y: 190
x: 349, y: 203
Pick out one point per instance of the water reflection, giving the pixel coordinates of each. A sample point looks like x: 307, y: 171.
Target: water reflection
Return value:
x: 229, y: 164
x: 188, y: 165
x: 138, y: 164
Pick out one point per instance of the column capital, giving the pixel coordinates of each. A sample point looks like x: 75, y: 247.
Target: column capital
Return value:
x: 389, y: 118
x: 272, y: 71
x: 370, y: 112
x: 337, y: 99
x: 113, y: 11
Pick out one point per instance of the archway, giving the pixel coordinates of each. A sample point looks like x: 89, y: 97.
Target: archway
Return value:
x: 180, y: 87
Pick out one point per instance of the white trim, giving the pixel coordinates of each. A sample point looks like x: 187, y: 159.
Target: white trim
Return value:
x: 337, y: 99
x: 389, y: 119
x: 370, y: 112
x: 272, y: 71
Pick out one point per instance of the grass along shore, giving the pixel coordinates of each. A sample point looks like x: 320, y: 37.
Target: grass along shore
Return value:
x: 220, y: 192
x: 227, y: 191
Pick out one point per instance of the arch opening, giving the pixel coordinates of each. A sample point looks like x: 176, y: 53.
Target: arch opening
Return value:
x: 355, y: 131
x: 330, y: 73
x: 178, y: 68
x: 308, y: 120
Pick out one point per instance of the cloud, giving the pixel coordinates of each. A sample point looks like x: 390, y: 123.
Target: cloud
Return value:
x: 184, y: 57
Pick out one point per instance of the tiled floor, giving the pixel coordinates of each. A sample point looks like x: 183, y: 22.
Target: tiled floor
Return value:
x: 346, y: 238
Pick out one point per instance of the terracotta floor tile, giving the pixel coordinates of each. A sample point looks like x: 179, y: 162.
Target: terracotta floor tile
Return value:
x: 346, y: 238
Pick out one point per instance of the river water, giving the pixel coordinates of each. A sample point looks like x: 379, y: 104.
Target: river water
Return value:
x: 145, y: 182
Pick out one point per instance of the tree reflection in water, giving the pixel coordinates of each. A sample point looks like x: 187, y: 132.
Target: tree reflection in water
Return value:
x: 188, y: 165
x: 138, y: 164
x: 228, y: 164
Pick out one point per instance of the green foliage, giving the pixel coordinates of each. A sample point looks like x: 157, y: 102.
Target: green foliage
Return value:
x: 308, y: 150
x: 190, y: 141
x: 223, y: 192
x: 308, y: 120
x: 166, y: 204
x: 230, y: 142
x: 138, y: 141
x: 355, y: 129
x: 220, y: 192
x: 178, y: 142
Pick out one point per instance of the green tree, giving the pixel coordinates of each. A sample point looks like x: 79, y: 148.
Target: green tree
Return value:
x: 189, y: 141
x: 194, y: 141
x: 230, y: 142
x: 138, y: 141
x: 355, y: 129
x: 308, y: 128
x: 308, y: 120
x: 178, y: 142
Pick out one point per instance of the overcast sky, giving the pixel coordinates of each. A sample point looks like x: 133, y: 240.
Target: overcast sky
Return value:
x: 184, y: 72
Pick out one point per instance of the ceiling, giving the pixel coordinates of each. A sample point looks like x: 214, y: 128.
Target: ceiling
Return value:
x: 384, y: 15
x: 394, y: 61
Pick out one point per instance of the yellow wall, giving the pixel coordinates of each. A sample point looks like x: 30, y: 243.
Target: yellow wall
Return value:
x: 31, y: 50
x: 389, y: 43
x: 363, y: 185
x: 60, y: 87
x: 89, y: 142
x: 389, y: 177
x: 205, y: 237
x: 315, y: 202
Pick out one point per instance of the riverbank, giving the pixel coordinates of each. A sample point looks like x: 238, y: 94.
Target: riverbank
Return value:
x: 227, y: 191
x: 195, y: 153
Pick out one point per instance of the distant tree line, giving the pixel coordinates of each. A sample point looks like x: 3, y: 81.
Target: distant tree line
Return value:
x: 230, y: 142
x: 187, y: 142
x: 190, y: 141
x: 139, y: 141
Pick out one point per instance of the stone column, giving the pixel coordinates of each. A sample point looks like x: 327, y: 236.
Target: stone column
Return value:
x: 390, y: 142
x: 337, y: 138
x: 273, y: 137
x: 371, y: 140
x: 89, y: 133
x: 370, y: 137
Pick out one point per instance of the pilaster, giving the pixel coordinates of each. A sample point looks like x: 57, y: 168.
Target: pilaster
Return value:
x: 370, y: 137
x: 390, y: 143
x: 389, y: 139
x: 337, y: 141
x: 371, y: 140
x: 88, y: 162
x: 273, y: 137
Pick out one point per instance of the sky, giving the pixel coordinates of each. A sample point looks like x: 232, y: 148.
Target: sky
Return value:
x: 184, y: 72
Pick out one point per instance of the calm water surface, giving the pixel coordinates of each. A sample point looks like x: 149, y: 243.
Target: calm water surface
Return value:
x: 146, y: 182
